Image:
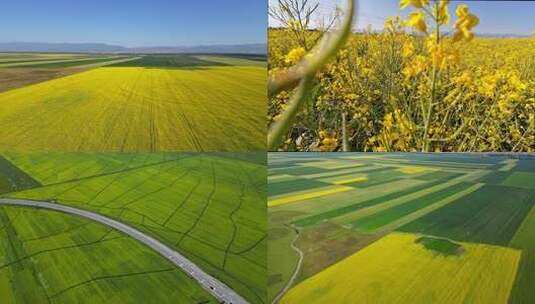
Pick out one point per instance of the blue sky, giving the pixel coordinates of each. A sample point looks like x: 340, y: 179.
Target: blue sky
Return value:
x: 497, y: 17
x: 135, y: 22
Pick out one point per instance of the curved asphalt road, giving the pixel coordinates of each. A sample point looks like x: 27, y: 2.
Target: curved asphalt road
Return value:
x: 219, y: 290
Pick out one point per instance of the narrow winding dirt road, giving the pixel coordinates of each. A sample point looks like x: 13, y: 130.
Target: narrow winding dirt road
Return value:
x: 297, y: 268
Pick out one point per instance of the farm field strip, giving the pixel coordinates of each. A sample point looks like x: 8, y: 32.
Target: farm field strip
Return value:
x: 314, y: 172
x: 48, y: 63
x: 101, y: 63
x: 7, y: 62
x: 351, y: 180
x: 55, y: 167
x: 81, y: 64
x: 368, y: 207
x: 13, y: 178
x: 307, y: 195
x: 395, y: 217
x: 10, y: 57
x: 456, y: 218
x: 281, y: 177
x: 172, y: 61
x: 230, y: 60
x: 339, y: 209
x: 524, y: 180
x: 346, y: 199
x: 346, y: 172
x: 491, y: 215
x: 508, y: 165
x: 208, y: 208
x: 379, y: 206
x: 433, y: 163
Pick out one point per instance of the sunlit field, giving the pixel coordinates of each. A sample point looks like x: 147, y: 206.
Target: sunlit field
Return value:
x: 400, y: 227
x: 145, y: 103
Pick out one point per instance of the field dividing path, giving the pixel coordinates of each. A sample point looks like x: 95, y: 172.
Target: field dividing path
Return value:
x: 297, y: 268
x: 218, y: 289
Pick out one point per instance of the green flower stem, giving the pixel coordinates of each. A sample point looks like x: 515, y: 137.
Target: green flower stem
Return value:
x: 280, y: 128
x: 326, y: 49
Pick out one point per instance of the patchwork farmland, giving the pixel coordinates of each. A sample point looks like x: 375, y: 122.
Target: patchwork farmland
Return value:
x: 403, y: 228
x: 23, y: 69
x: 131, y: 103
x: 209, y: 207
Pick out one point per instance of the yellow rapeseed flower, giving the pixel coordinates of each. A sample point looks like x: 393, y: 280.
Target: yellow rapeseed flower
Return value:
x: 328, y: 141
x: 389, y: 24
x: 295, y: 55
x: 350, y: 97
x: 443, y: 15
x: 464, y: 24
x: 416, y: 3
x: 417, y: 20
x: 409, y: 72
x: 444, y: 3
x: 408, y: 49
x: 393, y: 24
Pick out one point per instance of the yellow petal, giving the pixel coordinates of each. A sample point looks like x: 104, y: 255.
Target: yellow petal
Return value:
x: 462, y: 10
x: 404, y: 3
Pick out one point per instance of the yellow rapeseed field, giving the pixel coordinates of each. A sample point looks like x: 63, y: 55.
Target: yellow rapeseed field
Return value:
x: 396, y: 269
x: 285, y: 199
x: 413, y: 169
x: 351, y: 180
x: 139, y: 109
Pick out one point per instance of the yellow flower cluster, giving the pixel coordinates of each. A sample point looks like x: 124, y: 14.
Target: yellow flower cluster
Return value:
x: 417, y: 20
x: 415, y: 3
x: 294, y: 56
x: 329, y: 142
x: 479, y: 95
x: 464, y: 24
x: 415, y: 67
x: 442, y: 14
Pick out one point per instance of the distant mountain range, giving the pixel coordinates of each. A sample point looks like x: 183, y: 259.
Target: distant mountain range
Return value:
x: 257, y: 48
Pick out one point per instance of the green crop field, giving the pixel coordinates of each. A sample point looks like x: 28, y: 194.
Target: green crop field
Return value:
x: 49, y: 257
x: 403, y: 228
x: 208, y: 206
x: 170, y: 61
x: 142, y: 103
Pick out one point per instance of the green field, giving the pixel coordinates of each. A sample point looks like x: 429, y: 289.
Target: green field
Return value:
x: 49, y: 257
x: 170, y: 61
x: 403, y: 228
x: 13, y: 178
x: 141, y: 103
x: 209, y: 207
